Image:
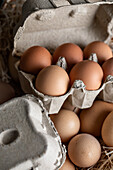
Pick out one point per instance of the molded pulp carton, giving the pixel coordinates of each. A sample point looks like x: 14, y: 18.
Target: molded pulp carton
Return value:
x: 28, y: 138
x: 51, y: 23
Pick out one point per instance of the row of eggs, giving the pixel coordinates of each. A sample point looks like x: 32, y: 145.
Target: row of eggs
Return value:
x: 53, y: 80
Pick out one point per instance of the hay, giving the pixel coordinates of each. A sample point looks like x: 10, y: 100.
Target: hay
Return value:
x: 10, y: 14
x: 106, y: 160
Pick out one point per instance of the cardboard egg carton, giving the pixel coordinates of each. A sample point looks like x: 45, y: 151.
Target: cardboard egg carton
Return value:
x: 54, y: 22
x: 28, y: 138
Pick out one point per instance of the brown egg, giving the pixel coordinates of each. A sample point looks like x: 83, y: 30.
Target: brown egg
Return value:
x: 34, y: 59
x: 68, y: 165
x: 6, y: 92
x: 107, y: 130
x: 91, y: 119
x: 84, y: 150
x: 72, y: 53
x: 102, y: 50
x: 52, y: 80
x: 89, y: 72
x: 107, y: 68
x: 67, y: 124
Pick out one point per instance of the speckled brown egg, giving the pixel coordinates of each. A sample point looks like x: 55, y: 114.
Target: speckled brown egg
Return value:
x: 102, y: 50
x: 89, y: 72
x: 72, y: 53
x: 107, y: 130
x: 34, y: 59
x: 6, y: 92
x: 52, y: 80
x: 67, y: 124
x: 91, y: 119
x: 84, y: 150
x: 107, y: 68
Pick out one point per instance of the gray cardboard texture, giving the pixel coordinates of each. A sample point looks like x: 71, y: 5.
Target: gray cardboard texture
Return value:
x: 107, y: 93
x: 28, y: 138
x: 34, y: 5
x: 79, y: 24
x: 64, y: 24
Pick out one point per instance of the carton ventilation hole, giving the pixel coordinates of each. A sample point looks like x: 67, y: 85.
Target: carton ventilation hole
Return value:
x: 8, y: 136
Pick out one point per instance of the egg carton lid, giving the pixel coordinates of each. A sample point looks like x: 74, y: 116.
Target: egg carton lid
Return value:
x: 47, y: 25
x: 28, y: 138
x: 34, y: 5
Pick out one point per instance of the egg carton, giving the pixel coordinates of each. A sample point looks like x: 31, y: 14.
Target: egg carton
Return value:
x: 28, y: 138
x: 52, y: 23
x: 78, y: 96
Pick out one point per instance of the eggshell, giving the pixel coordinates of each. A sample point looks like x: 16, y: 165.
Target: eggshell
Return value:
x: 34, y: 59
x: 84, y: 150
x: 107, y: 68
x: 89, y: 72
x: 107, y: 130
x: 102, y: 50
x: 67, y: 124
x: 52, y: 80
x: 6, y: 92
x: 68, y: 165
x: 72, y: 53
x: 91, y: 119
